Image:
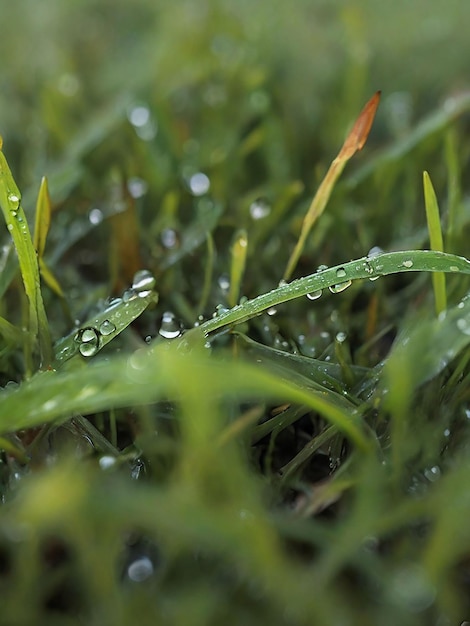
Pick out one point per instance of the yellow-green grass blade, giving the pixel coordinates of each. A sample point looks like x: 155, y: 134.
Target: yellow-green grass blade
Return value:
x: 435, y: 240
x: 239, y: 252
x: 43, y: 218
x: 10, y: 202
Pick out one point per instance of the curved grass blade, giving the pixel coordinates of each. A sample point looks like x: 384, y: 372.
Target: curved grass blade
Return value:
x: 97, y: 331
x: 154, y: 373
x: 355, y: 141
x: 10, y: 201
x: 337, y: 279
x: 436, y: 241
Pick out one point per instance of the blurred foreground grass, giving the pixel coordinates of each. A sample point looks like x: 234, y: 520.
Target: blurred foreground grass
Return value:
x: 307, y: 466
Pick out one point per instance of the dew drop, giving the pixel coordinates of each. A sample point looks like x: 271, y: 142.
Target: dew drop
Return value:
x: 338, y: 288
x: 143, y: 282
x: 314, y: 295
x: 113, y: 302
x: 199, y: 184
x: 271, y: 311
x: 341, y: 337
x: 129, y: 294
x: 95, y: 216
x: 224, y: 282
x: 107, y: 328
x: 220, y: 309
x: 170, y: 328
x: 322, y: 268
x: 463, y: 326
x: 141, y: 569
x: 259, y: 209
x: 454, y: 268
x: 408, y: 263
x: 139, y: 116
x: 10, y: 227
x: 89, y: 340
x: 137, y: 187
x: 169, y: 238
x: 340, y: 272
x: 374, y: 251
x: 14, y: 201
x: 433, y: 473
x: 107, y: 461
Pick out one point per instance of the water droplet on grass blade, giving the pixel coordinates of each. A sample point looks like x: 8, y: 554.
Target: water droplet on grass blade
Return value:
x: 199, y: 184
x: 95, y: 216
x: 140, y: 569
x: 170, y: 328
x: 169, y: 238
x: 259, y: 209
x: 14, y: 201
x: 130, y: 294
x: 107, y: 328
x: 463, y: 325
x: 454, y: 268
x: 340, y: 272
x: 314, y: 295
x: 338, y: 288
x: 89, y: 340
x: 374, y: 252
x: 224, y: 282
x: 408, y: 263
x: 143, y: 283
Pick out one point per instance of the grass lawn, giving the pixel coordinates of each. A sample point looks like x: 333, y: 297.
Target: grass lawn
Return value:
x: 234, y: 314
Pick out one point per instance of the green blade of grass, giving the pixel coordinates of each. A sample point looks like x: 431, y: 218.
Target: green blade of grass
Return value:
x: 239, y: 252
x: 435, y: 240
x: 97, y: 331
x: 10, y: 202
x: 337, y: 279
x: 43, y: 218
x: 155, y: 373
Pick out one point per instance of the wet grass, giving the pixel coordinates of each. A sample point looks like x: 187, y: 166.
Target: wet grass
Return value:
x: 186, y: 437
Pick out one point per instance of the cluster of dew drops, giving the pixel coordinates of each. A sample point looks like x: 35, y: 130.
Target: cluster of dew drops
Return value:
x: 90, y: 337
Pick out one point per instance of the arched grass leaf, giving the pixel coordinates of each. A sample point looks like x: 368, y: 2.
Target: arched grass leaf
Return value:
x: 10, y: 201
x: 153, y: 374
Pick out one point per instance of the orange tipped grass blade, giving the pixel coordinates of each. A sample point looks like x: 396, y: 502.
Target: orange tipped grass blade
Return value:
x: 355, y: 141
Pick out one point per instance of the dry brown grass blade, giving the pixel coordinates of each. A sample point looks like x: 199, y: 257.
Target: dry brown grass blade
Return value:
x: 355, y: 141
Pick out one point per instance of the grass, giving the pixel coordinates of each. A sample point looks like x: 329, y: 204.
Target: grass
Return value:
x: 197, y: 425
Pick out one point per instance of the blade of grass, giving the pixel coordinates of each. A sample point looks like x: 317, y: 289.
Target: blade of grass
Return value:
x: 103, y: 327
x: 10, y: 201
x: 354, y: 141
x: 239, y: 252
x: 154, y: 373
x: 338, y: 278
x: 431, y: 125
x: 436, y: 241
x: 43, y: 218
x: 41, y: 229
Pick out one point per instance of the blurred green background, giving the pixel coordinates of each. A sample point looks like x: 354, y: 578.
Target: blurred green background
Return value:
x: 214, y: 64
